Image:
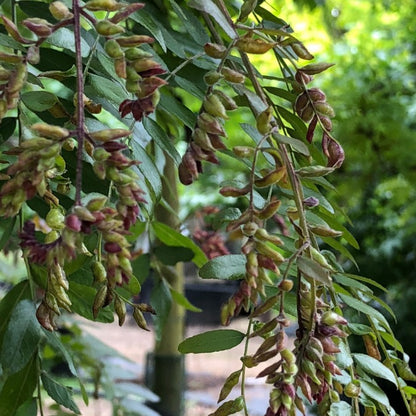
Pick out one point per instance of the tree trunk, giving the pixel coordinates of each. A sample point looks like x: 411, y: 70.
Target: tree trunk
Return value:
x: 167, y: 364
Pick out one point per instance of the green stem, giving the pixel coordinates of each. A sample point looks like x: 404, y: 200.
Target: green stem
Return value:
x: 243, y: 369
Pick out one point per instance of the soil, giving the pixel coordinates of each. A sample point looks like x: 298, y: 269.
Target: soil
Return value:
x: 205, y: 372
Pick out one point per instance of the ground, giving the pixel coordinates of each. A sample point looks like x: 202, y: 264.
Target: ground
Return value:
x: 205, y: 372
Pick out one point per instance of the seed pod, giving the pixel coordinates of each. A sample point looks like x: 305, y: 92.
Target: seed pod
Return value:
x: 40, y: 27
x: 99, y: 300
x: 228, y: 103
x: 265, y: 306
x: 17, y: 79
x: 315, y: 94
x: 134, y: 40
x: 51, y: 302
x: 97, y: 204
x: 233, y: 191
x: 352, y: 389
x: 215, y: 50
x: 333, y: 150
x: 266, y: 345
x: 324, y: 109
x: 120, y: 309
x: 50, y: 131
x: 269, y: 210
x: 212, y: 77
x: 13, y: 31
x: 43, y: 315
x: 126, y: 12
x: 243, y: 151
x: 59, y: 10
x: 301, y: 51
x: 331, y: 318
x: 139, y: 319
x: 106, y: 28
x: 144, y: 64
x: 314, y: 171
x: 262, y: 235
x: 307, y: 113
x: 83, y: 213
x: 233, y: 76
x: 109, y: 134
x: 201, y: 138
x: 312, y: 69
x: 372, y: 348
x: 132, y: 54
x: 10, y: 58
x: 120, y: 67
x: 246, y: 9
x: 214, y: 106
x: 104, y: 5
x: 113, y: 49
x: 310, y: 370
x: 325, y: 231
x: 254, y: 46
x: 99, y: 273
x: 271, y: 178
x: 230, y: 382
x: 250, y: 228
x: 55, y: 219
x: 263, y: 121
x: 210, y: 124
x: 286, y: 285
x: 412, y: 404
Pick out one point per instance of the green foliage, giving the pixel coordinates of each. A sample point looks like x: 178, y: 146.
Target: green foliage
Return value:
x: 96, y: 102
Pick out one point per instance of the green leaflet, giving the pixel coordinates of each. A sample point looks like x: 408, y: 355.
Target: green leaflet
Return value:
x: 21, y: 338
x: 39, y: 101
x: 18, y: 388
x: 170, y: 237
x: 59, y: 393
x: 228, y: 267
x: 374, y: 367
x: 211, y: 341
x: 208, y: 6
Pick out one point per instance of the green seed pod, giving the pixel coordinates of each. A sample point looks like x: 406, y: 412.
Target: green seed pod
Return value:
x: 214, y: 106
x: 120, y: 309
x: 301, y: 51
x: 139, y: 319
x: 144, y: 64
x: 262, y: 235
x: 412, y: 405
x: 104, y: 5
x: 83, y: 213
x: 313, y: 69
x: 263, y: 121
x: 271, y: 178
x: 99, y: 154
x: 99, y: 300
x: 314, y: 171
x: 310, y: 370
x: 212, y: 77
x: 51, y: 302
x: 210, y: 124
x: 230, y: 382
x: 286, y: 285
x: 325, y: 231
x: 214, y: 50
x: 250, y: 228
x: 132, y: 54
x: 269, y: 210
x: 97, y: 204
x: 324, y: 109
x: 352, y: 389
x: 113, y: 49
x: 59, y: 10
x: 109, y: 134
x: 265, y: 306
x: 228, y: 103
x: 50, y: 131
x: 201, y: 138
x: 106, y: 28
x: 133, y: 86
x: 233, y: 76
x: 254, y: 46
x: 99, y: 272
x: 55, y: 219
x: 243, y: 151
x: 17, y: 79
x: 246, y: 9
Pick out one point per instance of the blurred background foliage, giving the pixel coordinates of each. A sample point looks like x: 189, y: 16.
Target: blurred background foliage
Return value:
x: 372, y: 87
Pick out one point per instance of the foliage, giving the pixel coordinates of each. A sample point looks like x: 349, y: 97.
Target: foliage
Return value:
x: 83, y: 174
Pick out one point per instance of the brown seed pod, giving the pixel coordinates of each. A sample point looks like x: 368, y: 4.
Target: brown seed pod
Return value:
x: 215, y: 50
x: 233, y: 76
x: 254, y: 46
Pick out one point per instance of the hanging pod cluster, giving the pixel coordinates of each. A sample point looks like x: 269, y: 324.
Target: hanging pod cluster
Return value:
x: 131, y: 61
